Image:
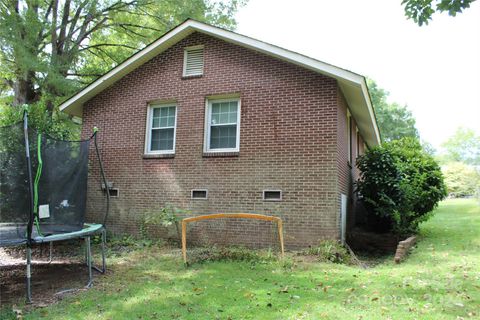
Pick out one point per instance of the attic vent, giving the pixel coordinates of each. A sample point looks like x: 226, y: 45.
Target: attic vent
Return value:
x: 193, y: 61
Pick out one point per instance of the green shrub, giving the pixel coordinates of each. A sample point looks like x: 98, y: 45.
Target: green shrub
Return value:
x: 167, y: 217
x: 329, y: 251
x: 400, y: 185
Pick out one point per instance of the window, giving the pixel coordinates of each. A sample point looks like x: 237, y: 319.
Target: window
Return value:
x: 272, y: 195
x: 222, y: 132
x: 161, y: 127
x: 199, y: 194
x: 193, y: 61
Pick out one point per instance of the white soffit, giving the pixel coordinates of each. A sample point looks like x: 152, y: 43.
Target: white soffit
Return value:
x: 352, y: 85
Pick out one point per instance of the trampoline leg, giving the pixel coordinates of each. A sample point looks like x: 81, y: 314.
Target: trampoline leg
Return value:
x: 89, y: 262
x: 29, y: 262
x: 103, y: 244
x: 51, y: 252
x: 104, y: 240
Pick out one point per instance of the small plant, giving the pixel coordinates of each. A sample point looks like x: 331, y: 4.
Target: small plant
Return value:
x: 231, y: 253
x: 167, y: 216
x: 330, y: 251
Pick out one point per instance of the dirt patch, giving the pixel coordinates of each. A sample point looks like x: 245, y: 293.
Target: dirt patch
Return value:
x: 360, y: 240
x: 66, y: 271
x: 47, y: 280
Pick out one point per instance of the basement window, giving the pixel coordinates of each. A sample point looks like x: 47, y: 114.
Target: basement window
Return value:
x: 113, y: 192
x: 200, y: 194
x: 272, y: 195
x: 193, y: 61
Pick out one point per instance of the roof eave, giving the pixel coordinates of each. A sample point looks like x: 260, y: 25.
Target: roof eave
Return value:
x: 353, y: 85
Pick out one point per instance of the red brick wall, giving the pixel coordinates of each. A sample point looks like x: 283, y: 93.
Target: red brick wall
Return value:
x: 289, y: 140
x: 343, y: 166
x: 348, y: 172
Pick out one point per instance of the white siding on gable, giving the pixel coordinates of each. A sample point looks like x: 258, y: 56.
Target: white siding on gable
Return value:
x: 193, y: 61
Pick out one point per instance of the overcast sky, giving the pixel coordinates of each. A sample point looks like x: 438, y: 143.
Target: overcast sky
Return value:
x: 434, y: 69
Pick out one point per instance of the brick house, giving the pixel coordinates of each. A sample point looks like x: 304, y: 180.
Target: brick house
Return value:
x: 213, y: 121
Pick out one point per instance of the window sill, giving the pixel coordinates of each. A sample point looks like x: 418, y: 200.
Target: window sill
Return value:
x: 195, y: 76
x: 221, y: 154
x: 159, y: 156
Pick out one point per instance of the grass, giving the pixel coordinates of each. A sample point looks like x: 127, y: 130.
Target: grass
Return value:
x: 439, y: 280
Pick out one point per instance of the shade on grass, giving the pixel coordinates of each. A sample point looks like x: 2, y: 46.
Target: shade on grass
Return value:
x: 439, y: 280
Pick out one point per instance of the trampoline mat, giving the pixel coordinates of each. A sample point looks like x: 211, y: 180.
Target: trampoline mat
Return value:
x: 16, y: 234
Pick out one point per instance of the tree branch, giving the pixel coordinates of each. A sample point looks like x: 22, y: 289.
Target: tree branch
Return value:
x: 83, y: 48
x: 84, y: 74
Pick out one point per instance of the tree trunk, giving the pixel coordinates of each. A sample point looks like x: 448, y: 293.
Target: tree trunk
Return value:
x: 24, y: 92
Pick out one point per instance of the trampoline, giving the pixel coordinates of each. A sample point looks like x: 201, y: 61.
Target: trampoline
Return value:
x: 43, y: 192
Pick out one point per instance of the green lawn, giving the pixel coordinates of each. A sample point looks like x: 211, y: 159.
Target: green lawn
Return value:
x: 440, y: 280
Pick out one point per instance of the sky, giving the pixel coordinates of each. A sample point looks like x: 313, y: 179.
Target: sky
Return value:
x: 434, y: 69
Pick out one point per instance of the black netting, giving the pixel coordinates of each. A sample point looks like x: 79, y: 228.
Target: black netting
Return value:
x: 62, y: 185
x: 14, y: 199
x: 62, y: 188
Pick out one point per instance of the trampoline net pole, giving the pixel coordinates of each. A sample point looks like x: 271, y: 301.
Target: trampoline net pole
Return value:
x: 104, y: 179
x: 31, y: 215
x: 30, y: 182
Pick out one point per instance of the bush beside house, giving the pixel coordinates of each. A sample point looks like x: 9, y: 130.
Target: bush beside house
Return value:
x: 400, y: 185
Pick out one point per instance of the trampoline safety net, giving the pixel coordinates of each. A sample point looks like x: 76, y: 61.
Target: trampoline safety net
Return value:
x: 59, y: 177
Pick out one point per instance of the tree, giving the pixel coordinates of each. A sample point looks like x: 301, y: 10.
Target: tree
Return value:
x: 400, y: 185
x: 463, y: 146
x: 49, y: 49
x: 421, y: 11
x: 394, y: 121
x: 461, y: 179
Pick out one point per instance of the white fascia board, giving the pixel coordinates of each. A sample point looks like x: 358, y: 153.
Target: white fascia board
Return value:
x: 129, y: 65
x: 279, y: 53
x: 74, y: 104
x: 185, y: 29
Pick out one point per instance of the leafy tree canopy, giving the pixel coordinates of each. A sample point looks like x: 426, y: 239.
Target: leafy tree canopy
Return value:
x: 394, y: 121
x: 461, y: 179
x: 51, y: 48
x: 463, y: 146
x: 421, y: 11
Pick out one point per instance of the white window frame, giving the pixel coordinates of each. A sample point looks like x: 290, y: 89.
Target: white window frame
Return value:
x: 185, y: 54
x: 148, y: 135
x: 208, y: 119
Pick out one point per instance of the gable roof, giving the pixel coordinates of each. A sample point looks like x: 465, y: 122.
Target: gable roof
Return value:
x: 352, y: 85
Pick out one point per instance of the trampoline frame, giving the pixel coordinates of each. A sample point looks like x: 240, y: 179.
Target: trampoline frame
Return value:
x: 85, y: 233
